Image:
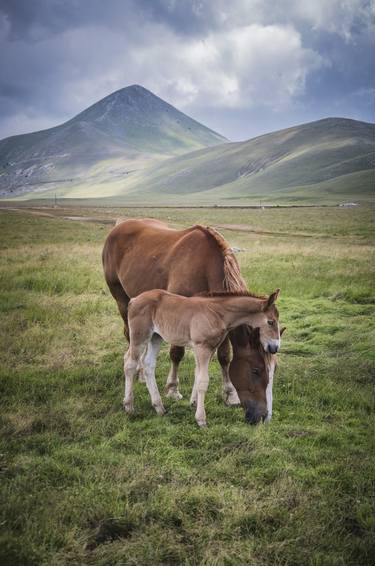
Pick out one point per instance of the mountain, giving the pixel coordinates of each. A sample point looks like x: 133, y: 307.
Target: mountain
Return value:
x: 127, y: 128
x: 134, y: 148
x: 329, y: 159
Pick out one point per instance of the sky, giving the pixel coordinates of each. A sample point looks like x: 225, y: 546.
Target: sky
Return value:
x: 241, y: 67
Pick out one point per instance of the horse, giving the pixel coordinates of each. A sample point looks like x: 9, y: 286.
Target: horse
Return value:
x: 200, y: 322
x: 144, y: 254
x: 250, y: 359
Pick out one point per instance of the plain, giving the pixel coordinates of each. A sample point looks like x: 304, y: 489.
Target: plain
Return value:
x: 82, y: 483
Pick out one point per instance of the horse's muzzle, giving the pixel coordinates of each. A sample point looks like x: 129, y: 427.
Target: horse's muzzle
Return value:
x: 254, y: 414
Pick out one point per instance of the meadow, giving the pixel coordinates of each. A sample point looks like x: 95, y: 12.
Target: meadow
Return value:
x: 82, y: 483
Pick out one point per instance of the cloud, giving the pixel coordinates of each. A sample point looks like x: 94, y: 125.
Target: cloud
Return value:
x: 345, y: 18
x: 245, y: 66
x: 209, y: 57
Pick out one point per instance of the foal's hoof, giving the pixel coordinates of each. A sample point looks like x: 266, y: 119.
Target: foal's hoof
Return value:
x: 160, y: 410
x: 128, y: 408
x: 202, y: 424
x: 174, y: 394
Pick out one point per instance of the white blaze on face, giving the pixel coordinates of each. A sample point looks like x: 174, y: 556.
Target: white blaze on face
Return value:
x: 271, y: 371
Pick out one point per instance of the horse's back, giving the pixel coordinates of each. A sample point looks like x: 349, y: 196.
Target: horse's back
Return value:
x: 122, y: 238
x: 148, y: 254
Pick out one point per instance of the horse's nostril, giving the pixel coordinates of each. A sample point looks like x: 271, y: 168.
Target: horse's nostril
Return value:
x: 253, y: 418
x: 272, y: 348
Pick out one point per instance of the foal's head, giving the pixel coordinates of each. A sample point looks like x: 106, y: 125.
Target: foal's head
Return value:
x: 269, y: 328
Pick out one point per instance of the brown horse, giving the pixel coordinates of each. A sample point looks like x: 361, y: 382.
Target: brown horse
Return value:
x: 141, y: 255
x: 200, y: 322
x: 251, y: 371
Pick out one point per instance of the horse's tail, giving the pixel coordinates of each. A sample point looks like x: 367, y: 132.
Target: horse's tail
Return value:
x: 233, y: 280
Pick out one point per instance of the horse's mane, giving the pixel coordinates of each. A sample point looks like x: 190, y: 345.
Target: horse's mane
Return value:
x: 233, y: 280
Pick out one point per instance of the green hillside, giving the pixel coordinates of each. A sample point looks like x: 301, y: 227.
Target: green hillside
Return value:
x: 330, y: 161
x: 330, y: 158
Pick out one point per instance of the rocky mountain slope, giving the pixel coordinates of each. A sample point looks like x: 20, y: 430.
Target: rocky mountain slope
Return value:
x: 127, y: 128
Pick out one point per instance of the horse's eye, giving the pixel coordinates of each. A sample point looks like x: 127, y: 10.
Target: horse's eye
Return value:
x: 271, y: 322
x: 255, y: 371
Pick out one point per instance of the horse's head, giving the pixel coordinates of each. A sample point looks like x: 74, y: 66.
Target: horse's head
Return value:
x: 251, y: 372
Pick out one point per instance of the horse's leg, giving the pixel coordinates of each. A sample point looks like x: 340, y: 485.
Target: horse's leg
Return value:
x: 149, y: 364
x: 202, y: 358
x: 176, y: 354
x: 229, y: 392
x: 132, y: 359
x: 122, y: 301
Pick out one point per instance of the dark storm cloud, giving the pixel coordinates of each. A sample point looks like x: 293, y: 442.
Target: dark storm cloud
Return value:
x: 40, y: 18
x: 242, y: 67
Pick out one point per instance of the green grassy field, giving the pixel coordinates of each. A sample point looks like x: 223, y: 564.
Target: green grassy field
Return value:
x: 81, y: 483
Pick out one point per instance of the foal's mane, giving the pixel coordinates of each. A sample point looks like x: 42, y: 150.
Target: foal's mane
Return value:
x: 231, y: 294
x: 233, y: 280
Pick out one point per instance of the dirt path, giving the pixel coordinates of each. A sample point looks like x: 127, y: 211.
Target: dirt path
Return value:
x: 111, y: 220
x: 246, y: 228
x: 37, y: 212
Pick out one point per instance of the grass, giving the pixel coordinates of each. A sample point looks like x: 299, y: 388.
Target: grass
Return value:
x: 81, y: 483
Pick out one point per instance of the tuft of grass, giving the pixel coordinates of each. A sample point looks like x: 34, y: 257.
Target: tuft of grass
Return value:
x: 82, y: 483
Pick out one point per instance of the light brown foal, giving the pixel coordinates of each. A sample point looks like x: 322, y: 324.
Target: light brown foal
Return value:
x: 201, y: 322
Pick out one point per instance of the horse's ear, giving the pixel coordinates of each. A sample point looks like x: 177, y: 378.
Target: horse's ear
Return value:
x: 273, y: 297
x: 282, y: 330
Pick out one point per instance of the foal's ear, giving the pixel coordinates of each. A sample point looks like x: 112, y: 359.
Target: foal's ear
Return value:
x: 282, y: 330
x: 273, y: 297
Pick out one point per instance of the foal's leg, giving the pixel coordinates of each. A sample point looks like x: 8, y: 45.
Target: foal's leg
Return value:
x: 229, y: 392
x: 202, y: 358
x: 131, y: 361
x: 149, y: 364
x: 194, y: 392
x: 176, y: 354
x: 122, y: 301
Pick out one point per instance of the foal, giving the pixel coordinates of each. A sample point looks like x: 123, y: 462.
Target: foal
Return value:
x: 203, y: 323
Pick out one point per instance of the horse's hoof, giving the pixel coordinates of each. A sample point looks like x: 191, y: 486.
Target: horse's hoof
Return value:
x: 231, y: 399
x: 232, y: 402
x: 202, y: 424
x: 174, y: 394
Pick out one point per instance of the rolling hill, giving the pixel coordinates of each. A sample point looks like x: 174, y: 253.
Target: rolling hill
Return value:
x: 120, y: 133
x: 330, y: 159
x: 134, y: 148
